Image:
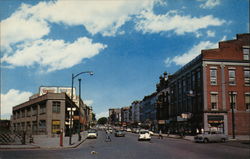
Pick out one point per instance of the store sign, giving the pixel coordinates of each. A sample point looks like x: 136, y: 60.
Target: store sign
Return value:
x: 161, y: 121
x: 215, y: 118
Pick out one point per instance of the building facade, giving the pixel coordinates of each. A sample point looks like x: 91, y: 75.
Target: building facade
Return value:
x: 207, y: 92
x: 48, y: 113
x: 135, y: 112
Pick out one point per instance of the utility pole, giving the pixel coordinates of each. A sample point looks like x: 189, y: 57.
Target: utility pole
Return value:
x: 232, y: 108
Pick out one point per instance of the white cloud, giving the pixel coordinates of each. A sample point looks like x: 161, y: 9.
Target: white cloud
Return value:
x: 148, y: 22
x: 210, y: 33
x: 12, y: 98
x: 209, y: 4
x: 53, y: 55
x: 22, y: 26
x: 190, y: 54
x: 88, y: 102
x: 102, y: 114
x: 104, y: 17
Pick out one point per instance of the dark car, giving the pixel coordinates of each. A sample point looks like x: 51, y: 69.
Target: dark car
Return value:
x: 119, y: 133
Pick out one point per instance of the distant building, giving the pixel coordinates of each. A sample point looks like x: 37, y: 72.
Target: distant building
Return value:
x: 148, y: 112
x: 125, y: 116
x: 115, y: 116
x: 135, y: 110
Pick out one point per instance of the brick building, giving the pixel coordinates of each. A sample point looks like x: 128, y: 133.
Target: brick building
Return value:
x: 203, y: 91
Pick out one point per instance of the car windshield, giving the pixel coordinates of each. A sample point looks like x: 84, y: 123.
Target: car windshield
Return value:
x: 92, y: 131
x: 144, y: 132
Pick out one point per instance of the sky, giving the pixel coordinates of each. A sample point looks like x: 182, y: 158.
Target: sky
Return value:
x: 128, y: 44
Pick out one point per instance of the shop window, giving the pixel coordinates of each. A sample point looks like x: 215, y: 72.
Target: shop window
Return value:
x: 247, y: 101
x: 214, y: 101
x: 56, y: 107
x: 55, y: 126
x: 213, y: 77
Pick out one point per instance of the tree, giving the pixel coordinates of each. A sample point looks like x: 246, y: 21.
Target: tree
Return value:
x: 93, y: 117
x: 102, y: 120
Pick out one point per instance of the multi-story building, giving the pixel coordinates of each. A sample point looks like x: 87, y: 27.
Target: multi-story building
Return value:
x: 213, y: 90
x: 162, y: 102
x: 148, y: 111
x: 47, y: 113
x: 135, y: 109
x: 115, y: 116
x: 125, y: 116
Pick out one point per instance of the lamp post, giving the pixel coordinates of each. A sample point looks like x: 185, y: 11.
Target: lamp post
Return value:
x: 232, y: 108
x: 71, y: 106
x: 79, y: 123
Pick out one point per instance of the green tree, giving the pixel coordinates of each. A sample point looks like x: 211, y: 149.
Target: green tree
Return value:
x: 102, y: 120
x: 93, y: 117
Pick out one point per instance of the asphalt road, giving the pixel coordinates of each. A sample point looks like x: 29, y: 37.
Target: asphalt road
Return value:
x: 129, y: 148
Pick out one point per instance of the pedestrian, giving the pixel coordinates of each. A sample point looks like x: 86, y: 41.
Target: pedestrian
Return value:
x: 108, y: 138
x: 160, y: 135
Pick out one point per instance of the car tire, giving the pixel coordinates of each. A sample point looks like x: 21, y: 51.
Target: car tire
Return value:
x: 205, y: 140
x: 223, y: 140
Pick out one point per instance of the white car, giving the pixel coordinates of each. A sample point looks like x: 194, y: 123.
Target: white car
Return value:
x: 208, y: 136
x: 128, y: 130
x: 144, y: 135
x: 92, y: 133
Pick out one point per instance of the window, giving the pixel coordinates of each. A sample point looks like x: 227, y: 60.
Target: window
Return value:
x: 214, y: 101
x: 56, y: 107
x: 42, y: 109
x: 247, y: 77
x: 232, y: 99
x: 232, y: 77
x: 246, y: 54
x: 247, y: 101
x: 213, y: 76
x: 28, y: 112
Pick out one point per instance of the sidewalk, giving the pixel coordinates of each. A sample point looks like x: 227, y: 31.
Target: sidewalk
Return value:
x: 44, y: 142
x: 242, y: 141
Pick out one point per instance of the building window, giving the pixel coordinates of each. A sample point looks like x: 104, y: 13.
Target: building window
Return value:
x: 247, y: 77
x: 232, y: 80
x: 56, y: 107
x: 247, y: 101
x: 213, y: 77
x: 246, y: 55
x: 232, y: 100
x: 28, y: 112
x: 42, y: 109
x: 214, y: 101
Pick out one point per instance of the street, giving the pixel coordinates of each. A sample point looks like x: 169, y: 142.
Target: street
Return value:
x: 129, y: 148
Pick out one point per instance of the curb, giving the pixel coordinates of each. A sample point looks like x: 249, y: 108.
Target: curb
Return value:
x: 42, y: 148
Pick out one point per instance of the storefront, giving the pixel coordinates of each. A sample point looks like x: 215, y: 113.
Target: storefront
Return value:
x: 215, y: 122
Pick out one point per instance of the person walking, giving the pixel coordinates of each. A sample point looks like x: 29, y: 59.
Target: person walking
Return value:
x: 108, y: 138
x: 160, y: 135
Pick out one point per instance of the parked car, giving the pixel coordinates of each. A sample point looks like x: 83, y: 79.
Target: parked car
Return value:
x: 119, y: 133
x: 92, y: 133
x: 144, y: 135
x: 209, y: 136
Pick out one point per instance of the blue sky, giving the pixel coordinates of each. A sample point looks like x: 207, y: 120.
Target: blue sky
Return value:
x: 127, y: 44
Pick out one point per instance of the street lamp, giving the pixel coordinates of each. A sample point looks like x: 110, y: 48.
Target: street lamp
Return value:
x: 71, y: 106
x: 79, y: 123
